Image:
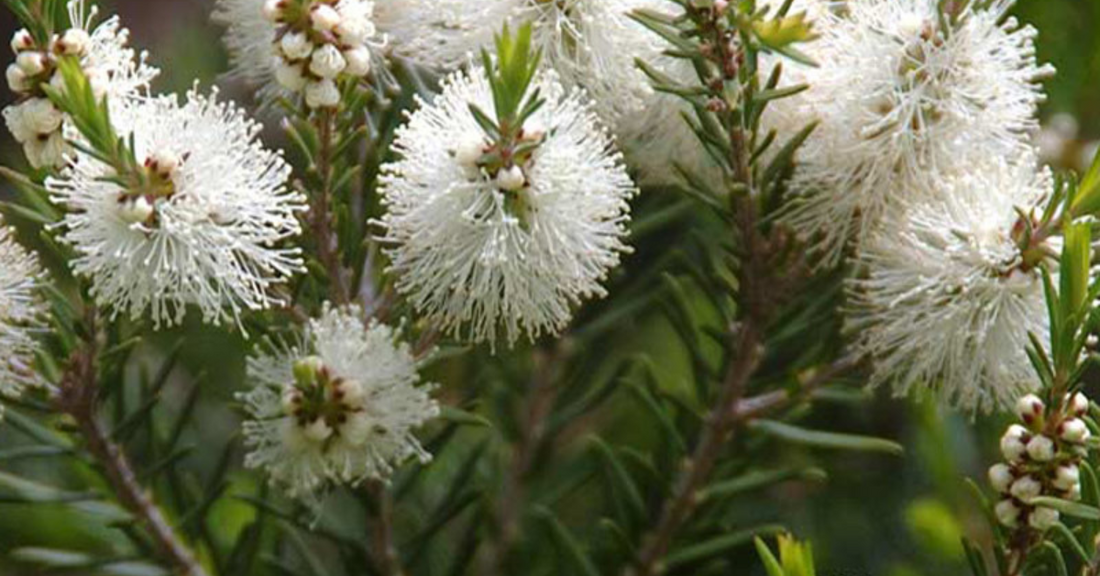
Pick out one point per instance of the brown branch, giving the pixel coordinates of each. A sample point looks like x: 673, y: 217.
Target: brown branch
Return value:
x: 77, y: 397
x: 696, y: 469
x: 386, y: 560
x: 385, y: 555
x: 328, y: 246
x: 540, y: 400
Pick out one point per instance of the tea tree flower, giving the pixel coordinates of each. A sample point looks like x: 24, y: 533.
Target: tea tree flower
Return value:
x: 306, y: 47
x: 1049, y: 466
x: 498, y: 225
x: 338, y: 407
x: 946, y: 295
x: 112, y: 68
x: 904, y: 96
x: 20, y: 316
x: 200, y: 220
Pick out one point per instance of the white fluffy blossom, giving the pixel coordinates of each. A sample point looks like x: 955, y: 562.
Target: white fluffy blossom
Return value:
x: 901, y: 101
x: 471, y: 254
x: 20, y: 315
x: 590, y: 44
x: 300, y: 46
x: 340, y: 406
x: 943, y: 298
x: 205, y: 227
x: 113, y: 69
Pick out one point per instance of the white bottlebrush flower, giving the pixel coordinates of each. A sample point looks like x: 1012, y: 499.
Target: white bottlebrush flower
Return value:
x: 943, y: 298
x: 479, y: 259
x: 113, y: 69
x: 204, y: 229
x: 902, y: 101
x: 307, y: 56
x: 21, y: 314
x: 590, y: 44
x: 341, y: 406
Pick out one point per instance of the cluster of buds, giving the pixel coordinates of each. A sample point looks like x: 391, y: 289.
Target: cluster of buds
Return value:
x: 34, y: 121
x: 156, y: 183
x: 504, y: 162
x: 318, y: 42
x: 1042, y: 458
x: 323, y: 406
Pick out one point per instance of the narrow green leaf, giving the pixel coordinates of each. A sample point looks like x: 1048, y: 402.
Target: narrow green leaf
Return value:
x: 830, y: 440
x: 719, y: 545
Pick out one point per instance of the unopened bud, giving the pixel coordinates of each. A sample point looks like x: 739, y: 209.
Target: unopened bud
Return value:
x: 327, y: 62
x: 1040, y: 448
x: 22, y: 41
x: 1012, y: 443
x: 163, y: 163
x: 1043, y: 518
x: 296, y: 46
x: 511, y: 178
x: 1066, y: 477
x: 358, y: 61
x: 74, y: 42
x: 17, y: 79
x: 324, y: 17
x: 318, y: 430
x: 1026, y: 488
x: 1008, y: 513
x: 1029, y: 408
x: 135, y: 210
x: 33, y: 63
x: 274, y: 10
x: 1001, y: 478
x: 289, y: 75
x: 1079, y: 404
x: 1074, y: 430
x: 323, y: 94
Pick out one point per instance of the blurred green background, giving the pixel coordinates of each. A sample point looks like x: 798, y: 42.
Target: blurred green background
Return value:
x: 876, y: 516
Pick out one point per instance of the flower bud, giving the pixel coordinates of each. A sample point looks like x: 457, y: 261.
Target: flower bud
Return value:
x: 33, y: 63
x: 318, y: 430
x: 42, y: 116
x: 296, y: 45
x: 1008, y: 513
x: 74, y: 42
x: 1026, y: 488
x: 46, y: 151
x: 274, y: 10
x: 163, y: 163
x: 1043, y: 518
x: 1079, y: 404
x: 1074, y: 430
x: 354, y: 30
x: 352, y: 393
x: 292, y: 401
x: 17, y: 79
x: 16, y: 119
x: 358, y: 61
x: 135, y: 210
x: 1066, y: 477
x: 22, y: 41
x: 1029, y: 408
x: 324, y: 17
x: 1012, y: 443
x: 323, y: 94
x: 1001, y: 478
x: 289, y: 75
x: 1040, y: 448
x: 511, y: 178
x: 469, y: 151
x: 327, y: 62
